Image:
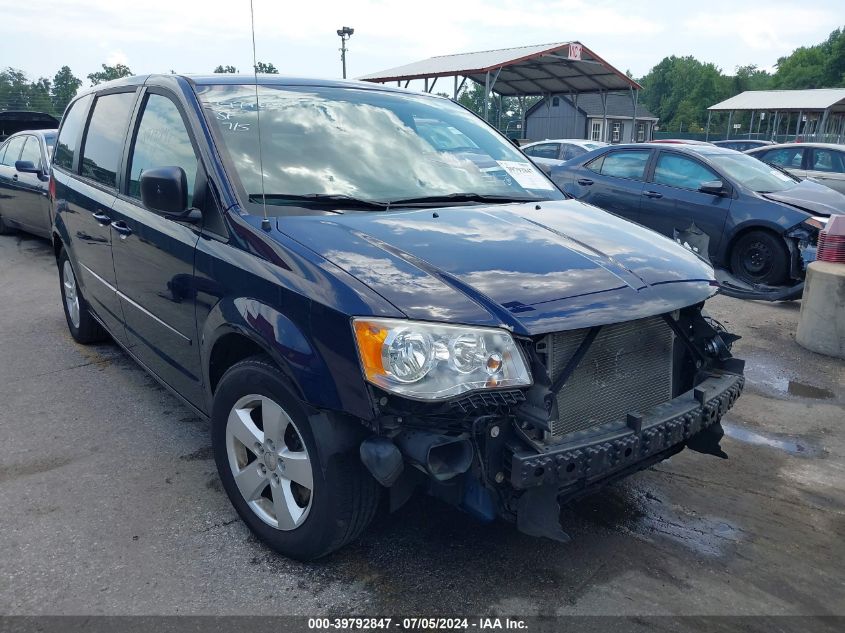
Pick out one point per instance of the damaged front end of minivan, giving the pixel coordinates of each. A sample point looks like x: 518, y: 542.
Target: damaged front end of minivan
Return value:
x: 600, y: 403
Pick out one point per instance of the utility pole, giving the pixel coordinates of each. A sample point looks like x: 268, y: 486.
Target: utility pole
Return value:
x: 345, y: 33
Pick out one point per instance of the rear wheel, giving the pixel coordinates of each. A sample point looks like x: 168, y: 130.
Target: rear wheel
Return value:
x: 760, y: 257
x: 299, y: 497
x: 83, y: 327
x: 5, y: 229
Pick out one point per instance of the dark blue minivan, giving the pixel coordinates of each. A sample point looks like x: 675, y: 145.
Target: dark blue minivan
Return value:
x: 368, y: 292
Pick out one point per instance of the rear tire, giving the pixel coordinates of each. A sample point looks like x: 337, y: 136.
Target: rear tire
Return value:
x: 5, y: 229
x: 760, y: 257
x: 263, y: 441
x: 83, y: 327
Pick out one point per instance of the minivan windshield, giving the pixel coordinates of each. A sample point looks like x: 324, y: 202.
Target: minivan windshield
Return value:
x: 323, y: 145
x: 752, y: 172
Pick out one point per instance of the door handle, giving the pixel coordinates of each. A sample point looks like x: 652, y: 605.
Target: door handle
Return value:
x: 121, y: 227
x: 15, y: 177
x: 653, y: 194
x: 585, y: 181
x: 101, y: 217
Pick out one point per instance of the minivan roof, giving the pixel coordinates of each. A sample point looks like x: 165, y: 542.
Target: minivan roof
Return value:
x: 245, y: 78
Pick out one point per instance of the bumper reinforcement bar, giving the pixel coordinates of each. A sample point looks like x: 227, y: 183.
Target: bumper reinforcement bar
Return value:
x: 665, y: 426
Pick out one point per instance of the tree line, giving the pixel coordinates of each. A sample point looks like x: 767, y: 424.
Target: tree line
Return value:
x: 679, y: 90
x: 17, y: 92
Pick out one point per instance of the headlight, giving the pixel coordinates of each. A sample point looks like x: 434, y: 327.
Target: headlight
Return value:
x: 429, y: 361
x: 816, y: 222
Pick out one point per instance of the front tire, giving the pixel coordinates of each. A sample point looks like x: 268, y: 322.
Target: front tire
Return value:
x: 292, y: 491
x: 760, y: 257
x: 83, y: 327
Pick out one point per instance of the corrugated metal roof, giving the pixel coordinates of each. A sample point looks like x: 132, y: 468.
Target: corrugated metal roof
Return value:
x: 524, y: 70
x: 818, y: 99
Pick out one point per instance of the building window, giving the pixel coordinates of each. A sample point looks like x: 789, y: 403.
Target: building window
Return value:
x: 595, y: 131
x: 640, y: 132
x: 555, y: 102
x: 616, y: 132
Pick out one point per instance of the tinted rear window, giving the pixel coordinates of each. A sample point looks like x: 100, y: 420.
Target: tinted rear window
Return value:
x: 68, y: 140
x: 622, y: 164
x: 104, y: 139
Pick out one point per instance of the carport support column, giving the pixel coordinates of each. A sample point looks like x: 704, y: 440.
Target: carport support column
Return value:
x: 730, y: 120
x: 635, y: 96
x: 604, y: 115
x: 523, y: 133
x: 798, y: 123
x: 822, y: 127
x: 751, y: 125
x: 707, y: 129
x: 486, y: 94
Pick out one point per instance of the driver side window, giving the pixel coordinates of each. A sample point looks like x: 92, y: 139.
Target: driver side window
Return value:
x: 162, y: 140
x: 679, y: 171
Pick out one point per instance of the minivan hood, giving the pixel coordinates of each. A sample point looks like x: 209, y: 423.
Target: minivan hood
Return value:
x: 812, y: 197
x: 530, y: 267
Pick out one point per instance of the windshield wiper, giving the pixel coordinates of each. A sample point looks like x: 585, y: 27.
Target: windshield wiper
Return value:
x: 464, y: 197
x: 321, y: 199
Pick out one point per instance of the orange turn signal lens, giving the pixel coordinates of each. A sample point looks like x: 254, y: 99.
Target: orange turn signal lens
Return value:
x: 370, y: 338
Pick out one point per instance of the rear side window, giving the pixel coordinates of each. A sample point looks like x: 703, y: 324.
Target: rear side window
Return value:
x: 546, y: 150
x: 68, y: 141
x: 827, y: 160
x: 572, y: 151
x: 682, y: 172
x: 785, y: 157
x: 623, y: 164
x: 104, y: 138
x: 32, y: 151
x: 13, y: 150
x: 162, y: 141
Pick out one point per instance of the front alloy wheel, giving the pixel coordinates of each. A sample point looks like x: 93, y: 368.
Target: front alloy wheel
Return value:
x: 269, y: 462
x: 295, y: 479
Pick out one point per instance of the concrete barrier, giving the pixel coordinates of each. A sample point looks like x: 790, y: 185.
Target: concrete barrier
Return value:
x: 821, y: 326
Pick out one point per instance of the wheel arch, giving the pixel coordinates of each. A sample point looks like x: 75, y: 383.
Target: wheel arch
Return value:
x: 237, y: 328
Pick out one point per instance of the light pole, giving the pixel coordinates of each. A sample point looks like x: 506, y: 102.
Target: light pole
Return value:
x: 345, y: 33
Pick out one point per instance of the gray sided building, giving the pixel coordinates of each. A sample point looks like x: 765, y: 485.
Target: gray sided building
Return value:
x: 562, y: 116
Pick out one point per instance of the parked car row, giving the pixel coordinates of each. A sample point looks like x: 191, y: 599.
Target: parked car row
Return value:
x: 24, y: 175
x: 436, y: 317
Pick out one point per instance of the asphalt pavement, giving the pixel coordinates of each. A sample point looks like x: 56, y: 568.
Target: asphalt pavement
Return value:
x: 110, y: 502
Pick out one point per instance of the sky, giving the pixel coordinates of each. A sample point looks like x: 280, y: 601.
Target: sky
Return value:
x: 194, y: 36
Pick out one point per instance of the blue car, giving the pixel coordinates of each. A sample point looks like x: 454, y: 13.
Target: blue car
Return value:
x: 370, y: 291
x: 753, y: 220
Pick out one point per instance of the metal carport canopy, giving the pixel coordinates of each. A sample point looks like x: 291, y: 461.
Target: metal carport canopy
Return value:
x: 541, y: 69
x: 806, y: 100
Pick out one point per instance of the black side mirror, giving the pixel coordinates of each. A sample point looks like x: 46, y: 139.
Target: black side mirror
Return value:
x: 27, y: 167
x: 714, y: 187
x: 165, y: 189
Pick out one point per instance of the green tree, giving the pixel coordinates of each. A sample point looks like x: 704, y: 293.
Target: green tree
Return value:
x: 225, y: 69
x: 14, y: 89
x: 818, y: 66
x: 108, y: 73
x: 262, y: 67
x: 65, y: 86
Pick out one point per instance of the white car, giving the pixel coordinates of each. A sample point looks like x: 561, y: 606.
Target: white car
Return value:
x: 552, y: 152
x: 823, y: 162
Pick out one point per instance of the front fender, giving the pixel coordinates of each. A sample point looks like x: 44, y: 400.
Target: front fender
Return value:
x: 299, y: 356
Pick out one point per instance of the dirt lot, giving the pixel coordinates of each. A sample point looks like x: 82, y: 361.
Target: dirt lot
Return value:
x: 110, y: 503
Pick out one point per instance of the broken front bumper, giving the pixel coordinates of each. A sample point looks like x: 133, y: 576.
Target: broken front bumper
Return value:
x: 580, y: 463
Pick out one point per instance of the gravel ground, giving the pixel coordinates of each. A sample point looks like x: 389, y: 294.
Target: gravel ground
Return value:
x: 110, y: 502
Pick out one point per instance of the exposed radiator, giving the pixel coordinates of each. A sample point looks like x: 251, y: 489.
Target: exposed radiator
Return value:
x: 627, y: 368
